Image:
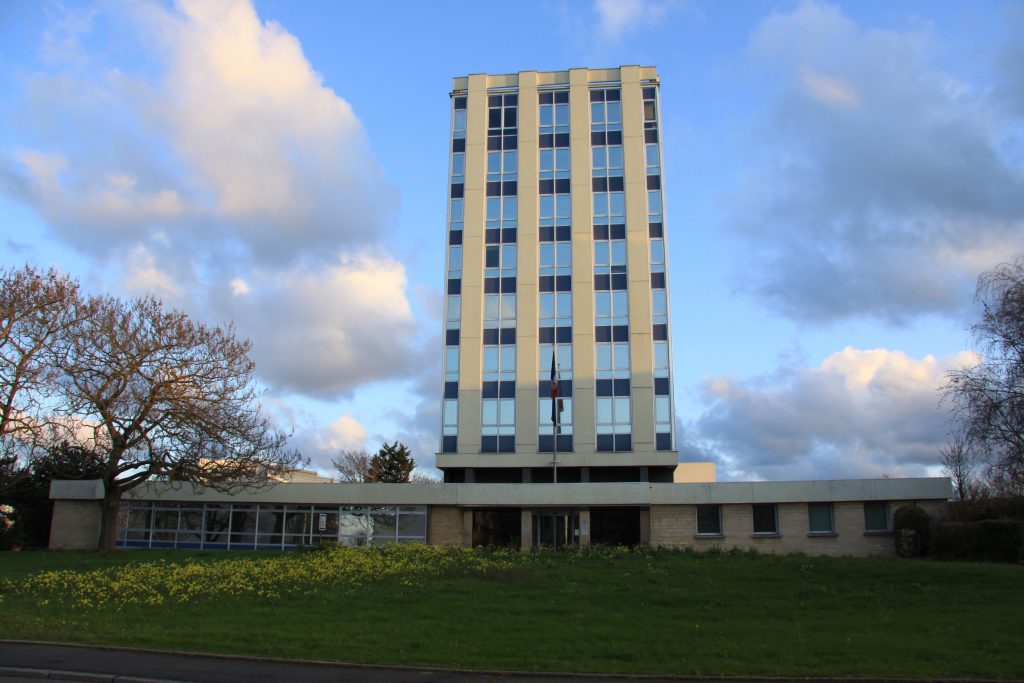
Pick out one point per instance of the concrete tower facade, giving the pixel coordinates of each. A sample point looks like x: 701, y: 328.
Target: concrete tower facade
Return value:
x: 556, y: 250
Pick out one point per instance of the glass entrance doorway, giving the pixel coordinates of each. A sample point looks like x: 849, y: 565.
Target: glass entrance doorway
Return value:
x: 556, y: 528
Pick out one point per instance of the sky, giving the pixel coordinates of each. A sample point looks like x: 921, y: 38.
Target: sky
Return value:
x: 836, y: 175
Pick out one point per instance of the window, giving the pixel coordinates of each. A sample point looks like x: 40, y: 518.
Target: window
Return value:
x: 498, y: 425
x: 876, y: 516
x: 709, y: 520
x: 820, y: 518
x: 766, y: 519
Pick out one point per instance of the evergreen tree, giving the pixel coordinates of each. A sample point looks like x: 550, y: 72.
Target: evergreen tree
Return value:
x: 392, y: 464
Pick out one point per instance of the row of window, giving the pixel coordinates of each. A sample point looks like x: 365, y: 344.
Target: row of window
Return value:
x: 765, y: 518
x: 230, y: 526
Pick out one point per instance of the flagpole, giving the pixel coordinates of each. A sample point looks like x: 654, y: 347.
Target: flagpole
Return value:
x: 555, y: 397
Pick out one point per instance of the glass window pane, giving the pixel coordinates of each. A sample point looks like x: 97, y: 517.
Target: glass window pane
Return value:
x: 460, y: 119
x: 601, y: 253
x: 618, y: 204
x: 564, y: 254
x: 600, y: 157
x: 511, y: 160
x: 604, y: 357
x: 455, y: 258
x: 661, y: 354
x: 604, y: 411
x: 621, y: 355
x: 621, y: 410
x: 654, y: 201
x: 508, y: 306
x: 652, y: 155
x: 661, y: 411
x: 614, y: 112
x: 489, y: 411
x: 657, y: 251
x: 615, y: 156
x: 602, y: 304
x: 764, y: 519
x: 620, y: 303
x: 454, y: 307
x: 563, y: 208
x: 508, y: 257
x: 562, y: 115
x: 508, y: 411
x: 618, y: 248
x: 562, y: 159
x: 709, y: 519
x: 565, y: 357
x: 494, y: 162
x: 491, y: 307
x: 564, y: 300
x: 547, y: 305
x: 819, y: 517
x: 493, y: 208
x: 547, y: 160
x: 547, y: 206
x: 508, y: 208
x: 600, y: 204
x: 876, y: 516
x: 451, y: 412
x: 490, y: 359
x: 451, y: 358
x: 456, y: 210
x: 659, y: 303
x: 597, y: 112
x: 546, y: 118
x: 508, y: 358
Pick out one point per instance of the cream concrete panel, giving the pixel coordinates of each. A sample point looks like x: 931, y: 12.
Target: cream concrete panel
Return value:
x: 584, y: 418
x: 76, y: 525
x: 460, y: 83
x: 694, y: 473
x: 526, y: 529
x: 527, y: 276
x: 553, y: 78
x: 584, y: 528
x: 502, y: 80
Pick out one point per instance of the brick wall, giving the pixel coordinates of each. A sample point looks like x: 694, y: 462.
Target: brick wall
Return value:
x: 445, y: 525
x: 676, y: 526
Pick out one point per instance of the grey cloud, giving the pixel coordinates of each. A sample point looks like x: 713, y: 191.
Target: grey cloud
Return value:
x: 886, y: 188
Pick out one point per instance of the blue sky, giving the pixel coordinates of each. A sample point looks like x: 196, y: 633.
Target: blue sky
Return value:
x: 837, y: 175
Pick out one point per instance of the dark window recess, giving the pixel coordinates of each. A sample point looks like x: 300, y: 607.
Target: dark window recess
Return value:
x: 618, y: 231
x: 648, y: 93
x: 604, y: 387
x: 663, y: 442
x: 650, y: 135
x: 561, y: 139
x: 661, y: 332
x: 493, y: 189
x: 547, y: 233
x: 451, y: 389
x: 510, y: 118
x: 510, y: 142
x: 605, y: 442
x: 493, y: 143
x: 546, y: 187
x: 620, y: 333
x: 657, y: 280
x: 488, y: 444
x: 600, y: 232
x: 597, y: 138
x: 546, y: 97
x: 507, y: 389
x: 602, y: 333
x: 491, y: 336
x: 621, y: 387
x: 547, y: 283
x: 508, y: 285
x: 599, y: 184
x: 494, y: 118
x: 547, y: 141
x: 661, y: 386
x: 506, y: 444
x: 455, y: 237
x: 564, y: 232
x: 457, y: 190
x: 508, y: 335
x: 765, y: 521
x: 611, y: 95
x: 492, y: 257
x: 564, y: 388
x: 489, y: 390
x: 618, y: 281
x: 451, y: 337
x: 493, y: 235
x: 460, y: 102
x: 623, y: 442
x: 562, y: 186
x: 511, y: 99
x: 449, y: 444
x: 603, y: 282
x: 655, y: 230
x: 564, y: 334
x: 494, y: 100
x: 508, y: 235
x: 562, y: 97
x: 459, y: 145
x: 564, y: 445
x: 455, y: 286
x: 546, y: 335
x: 563, y: 283
x: 654, y: 182
x: 615, y: 137
x: 597, y: 95
x: 615, y: 183
x: 492, y: 285
x: 508, y: 188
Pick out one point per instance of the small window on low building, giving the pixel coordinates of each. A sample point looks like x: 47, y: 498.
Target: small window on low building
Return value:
x: 876, y: 516
x: 766, y: 519
x: 820, y: 518
x: 709, y: 520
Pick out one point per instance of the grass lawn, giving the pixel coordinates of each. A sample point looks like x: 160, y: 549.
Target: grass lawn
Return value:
x: 600, y: 611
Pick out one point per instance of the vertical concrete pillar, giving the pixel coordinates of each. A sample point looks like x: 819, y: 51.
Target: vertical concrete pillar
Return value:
x: 526, y: 529
x: 645, y: 526
x: 584, y: 528
x: 467, y: 528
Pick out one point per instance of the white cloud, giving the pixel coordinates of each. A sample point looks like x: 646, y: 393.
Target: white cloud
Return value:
x: 618, y: 17
x: 343, y: 434
x: 861, y: 413
x: 890, y: 199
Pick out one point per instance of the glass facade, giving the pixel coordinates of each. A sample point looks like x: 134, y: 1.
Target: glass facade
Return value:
x: 249, y: 526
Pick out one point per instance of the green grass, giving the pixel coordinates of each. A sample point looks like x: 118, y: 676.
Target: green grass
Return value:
x: 601, y: 611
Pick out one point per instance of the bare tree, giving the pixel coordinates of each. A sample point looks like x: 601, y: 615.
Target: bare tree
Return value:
x: 165, y: 397
x: 353, y: 466
x: 36, y: 310
x: 989, y: 397
x: 961, y: 465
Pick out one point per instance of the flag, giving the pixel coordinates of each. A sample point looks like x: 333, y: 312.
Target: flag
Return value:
x: 556, y: 400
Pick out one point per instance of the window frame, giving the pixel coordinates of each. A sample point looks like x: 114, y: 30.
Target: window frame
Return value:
x: 888, y: 518
x: 831, y: 529
x: 697, y: 520
x: 754, y: 520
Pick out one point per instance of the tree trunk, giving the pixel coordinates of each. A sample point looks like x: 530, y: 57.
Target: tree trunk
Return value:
x: 108, y: 524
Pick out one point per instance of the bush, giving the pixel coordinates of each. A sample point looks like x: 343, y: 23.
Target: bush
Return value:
x: 912, y: 529
x: 994, y: 540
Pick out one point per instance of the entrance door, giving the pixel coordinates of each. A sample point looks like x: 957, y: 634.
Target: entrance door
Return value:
x: 556, y: 528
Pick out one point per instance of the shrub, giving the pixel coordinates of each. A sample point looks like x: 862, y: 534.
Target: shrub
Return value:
x: 912, y: 529
x: 995, y: 540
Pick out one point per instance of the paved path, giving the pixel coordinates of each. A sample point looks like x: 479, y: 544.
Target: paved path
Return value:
x: 20, y: 661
